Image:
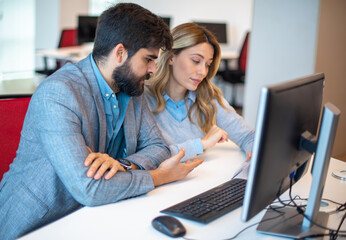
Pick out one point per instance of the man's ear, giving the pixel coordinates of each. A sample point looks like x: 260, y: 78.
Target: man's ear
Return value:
x: 120, y: 53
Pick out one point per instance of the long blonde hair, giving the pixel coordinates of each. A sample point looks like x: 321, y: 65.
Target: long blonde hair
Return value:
x: 184, y: 36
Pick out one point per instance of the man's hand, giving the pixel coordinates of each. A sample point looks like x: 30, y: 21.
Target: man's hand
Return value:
x: 173, y: 170
x: 100, y: 163
x: 215, y: 135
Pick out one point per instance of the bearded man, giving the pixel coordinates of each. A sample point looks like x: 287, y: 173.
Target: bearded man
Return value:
x: 87, y: 119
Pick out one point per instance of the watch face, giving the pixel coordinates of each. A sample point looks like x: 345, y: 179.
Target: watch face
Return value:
x: 125, y: 163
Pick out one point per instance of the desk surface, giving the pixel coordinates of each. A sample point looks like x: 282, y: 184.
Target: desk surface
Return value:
x: 77, y: 53
x: 17, y: 87
x: 131, y: 219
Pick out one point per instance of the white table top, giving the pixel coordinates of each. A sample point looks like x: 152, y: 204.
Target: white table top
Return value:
x: 131, y: 219
x: 73, y: 54
x: 77, y: 53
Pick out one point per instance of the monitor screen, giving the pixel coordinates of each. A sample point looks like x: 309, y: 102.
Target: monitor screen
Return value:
x: 286, y: 111
x: 86, y: 29
x: 218, y: 29
x: 167, y: 20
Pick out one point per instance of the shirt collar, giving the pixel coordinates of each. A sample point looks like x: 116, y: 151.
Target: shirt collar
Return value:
x: 106, y: 91
x: 191, y: 96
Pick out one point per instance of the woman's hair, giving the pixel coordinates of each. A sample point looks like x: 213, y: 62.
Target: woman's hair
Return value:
x: 133, y: 26
x: 185, y: 36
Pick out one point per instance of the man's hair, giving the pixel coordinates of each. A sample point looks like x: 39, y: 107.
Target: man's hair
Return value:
x: 133, y: 26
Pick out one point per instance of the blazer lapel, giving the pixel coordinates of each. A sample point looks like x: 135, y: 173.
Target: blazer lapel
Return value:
x: 130, y: 129
x: 98, y: 100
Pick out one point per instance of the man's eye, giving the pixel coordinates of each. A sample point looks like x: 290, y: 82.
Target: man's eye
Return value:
x: 149, y: 60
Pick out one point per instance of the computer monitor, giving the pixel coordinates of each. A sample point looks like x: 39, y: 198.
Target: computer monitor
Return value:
x: 218, y: 29
x: 86, y: 29
x: 167, y: 20
x: 285, y: 140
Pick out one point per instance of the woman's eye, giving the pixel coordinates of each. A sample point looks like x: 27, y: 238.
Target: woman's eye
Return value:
x: 195, y: 61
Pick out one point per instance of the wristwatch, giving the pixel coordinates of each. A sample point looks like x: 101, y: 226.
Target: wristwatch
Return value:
x: 125, y: 163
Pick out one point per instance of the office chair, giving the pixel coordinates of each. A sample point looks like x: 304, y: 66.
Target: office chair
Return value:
x: 236, y: 76
x: 12, y: 113
x: 68, y: 38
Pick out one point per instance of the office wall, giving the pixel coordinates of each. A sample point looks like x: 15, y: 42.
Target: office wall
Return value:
x: 331, y: 59
x: 16, y: 39
x: 47, y: 28
x: 282, y: 46
x: 70, y: 11
x: 51, y: 18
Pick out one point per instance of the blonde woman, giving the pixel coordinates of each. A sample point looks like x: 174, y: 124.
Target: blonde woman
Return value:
x: 189, y: 109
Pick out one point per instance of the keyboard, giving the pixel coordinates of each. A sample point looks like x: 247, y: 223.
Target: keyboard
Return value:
x: 211, y: 204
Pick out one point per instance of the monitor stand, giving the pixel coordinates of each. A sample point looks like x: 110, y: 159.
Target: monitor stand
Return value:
x: 287, y: 222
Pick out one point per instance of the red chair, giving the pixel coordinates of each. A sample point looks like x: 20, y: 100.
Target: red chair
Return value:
x: 12, y: 113
x: 68, y: 38
x: 237, y: 76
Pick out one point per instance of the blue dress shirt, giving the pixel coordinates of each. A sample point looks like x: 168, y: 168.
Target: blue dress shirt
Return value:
x: 115, y: 108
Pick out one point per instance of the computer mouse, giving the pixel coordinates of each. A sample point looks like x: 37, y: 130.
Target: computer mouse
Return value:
x: 169, y: 225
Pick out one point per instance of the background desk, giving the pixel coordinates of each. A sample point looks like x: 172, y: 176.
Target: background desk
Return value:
x: 17, y: 87
x: 65, y: 54
x: 77, y: 53
x: 131, y: 219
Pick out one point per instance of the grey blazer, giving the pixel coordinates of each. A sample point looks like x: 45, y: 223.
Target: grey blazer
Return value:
x: 47, y: 179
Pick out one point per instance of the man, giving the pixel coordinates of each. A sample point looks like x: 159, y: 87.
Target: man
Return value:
x: 93, y: 104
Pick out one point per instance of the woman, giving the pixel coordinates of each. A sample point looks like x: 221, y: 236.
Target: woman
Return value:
x: 188, y: 108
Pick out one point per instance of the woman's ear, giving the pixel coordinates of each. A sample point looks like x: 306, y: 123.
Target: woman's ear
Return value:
x: 120, y: 53
x: 171, y: 60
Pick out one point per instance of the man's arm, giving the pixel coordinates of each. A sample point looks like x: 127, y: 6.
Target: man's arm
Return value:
x: 169, y: 171
x: 65, y: 125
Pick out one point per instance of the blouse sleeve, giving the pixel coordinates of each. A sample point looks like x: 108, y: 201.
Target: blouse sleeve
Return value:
x: 237, y: 129
x: 192, y: 147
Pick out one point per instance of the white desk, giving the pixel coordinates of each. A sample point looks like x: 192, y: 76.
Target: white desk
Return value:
x: 131, y: 219
x: 77, y: 53
x: 229, y: 55
x: 65, y: 54
x: 73, y: 54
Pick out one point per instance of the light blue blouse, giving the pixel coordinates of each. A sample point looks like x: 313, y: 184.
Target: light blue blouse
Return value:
x: 179, y: 131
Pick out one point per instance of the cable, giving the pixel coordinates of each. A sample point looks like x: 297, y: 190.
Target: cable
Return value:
x: 333, y: 233
x: 338, y: 229
x: 265, y: 220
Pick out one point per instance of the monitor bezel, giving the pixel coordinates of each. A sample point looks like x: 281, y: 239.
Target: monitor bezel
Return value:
x: 250, y: 206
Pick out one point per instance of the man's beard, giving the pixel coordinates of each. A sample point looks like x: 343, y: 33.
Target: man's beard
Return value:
x: 126, y: 80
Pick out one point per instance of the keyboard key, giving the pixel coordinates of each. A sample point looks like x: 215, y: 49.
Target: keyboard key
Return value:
x: 211, y: 204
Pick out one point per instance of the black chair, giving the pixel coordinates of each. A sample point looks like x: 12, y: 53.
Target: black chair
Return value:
x: 236, y: 76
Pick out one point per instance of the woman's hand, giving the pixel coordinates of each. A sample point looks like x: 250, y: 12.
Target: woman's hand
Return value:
x: 215, y: 135
x: 101, y: 162
x: 248, y: 155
